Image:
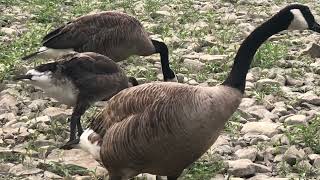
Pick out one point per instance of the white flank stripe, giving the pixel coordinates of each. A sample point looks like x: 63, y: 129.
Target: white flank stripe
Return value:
x: 86, y: 145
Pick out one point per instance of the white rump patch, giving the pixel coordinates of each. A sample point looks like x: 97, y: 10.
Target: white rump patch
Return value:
x: 50, y: 53
x: 298, y: 22
x: 85, y: 144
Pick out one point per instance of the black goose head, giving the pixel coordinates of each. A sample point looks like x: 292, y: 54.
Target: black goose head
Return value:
x: 298, y: 17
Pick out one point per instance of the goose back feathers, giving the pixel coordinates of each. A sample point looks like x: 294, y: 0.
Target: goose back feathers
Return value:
x: 113, y: 34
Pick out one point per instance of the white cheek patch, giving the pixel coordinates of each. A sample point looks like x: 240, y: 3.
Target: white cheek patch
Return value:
x: 34, y: 72
x: 298, y: 22
x: 42, y: 79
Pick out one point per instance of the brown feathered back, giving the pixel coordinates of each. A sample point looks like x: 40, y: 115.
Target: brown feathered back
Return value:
x: 116, y: 35
x: 139, y: 132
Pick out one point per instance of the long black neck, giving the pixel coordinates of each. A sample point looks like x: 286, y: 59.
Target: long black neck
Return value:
x: 246, y: 52
x: 162, y: 48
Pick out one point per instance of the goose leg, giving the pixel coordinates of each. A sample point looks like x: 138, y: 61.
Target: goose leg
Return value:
x: 75, y: 123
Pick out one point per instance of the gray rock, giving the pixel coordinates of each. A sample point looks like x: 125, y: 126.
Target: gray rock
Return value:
x: 316, y: 163
x: 229, y: 18
x: 160, y: 14
x: 310, y: 97
x: 313, y: 50
x: 247, y: 153
x: 20, y: 170
x: 8, y: 104
x: 315, y: 67
x: 260, y: 84
x: 8, y: 31
x: 6, y: 117
x: 193, y: 82
x: 77, y: 157
x: 250, y: 77
x: 278, y: 158
x: 241, y: 168
x: 265, y: 177
x: 260, y: 112
x: 293, y: 82
x: 146, y: 176
x: 281, y: 79
x: 280, y: 109
x: 265, y: 128
x: 254, y: 138
x: 246, y: 29
x: 280, y: 139
x: 38, y: 120
x: 261, y: 168
x: 218, y: 177
x: 37, y: 105
x: 304, y: 164
x: 249, y: 86
x: 212, y: 58
x: 313, y: 157
x: 193, y: 64
x: 293, y: 155
x: 57, y: 113
x: 296, y: 119
x: 50, y: 175
x: 5, y: 167
x: 246, y: 103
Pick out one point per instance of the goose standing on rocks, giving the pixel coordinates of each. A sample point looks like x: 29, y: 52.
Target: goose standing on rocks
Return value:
x: 78, y: 80
x: 113, y: 34
x: 161, y: 128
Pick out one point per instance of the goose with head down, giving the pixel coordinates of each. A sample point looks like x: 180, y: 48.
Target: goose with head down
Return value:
x: 113, y: 34
x: 161, y: 128
x: 78, y: 80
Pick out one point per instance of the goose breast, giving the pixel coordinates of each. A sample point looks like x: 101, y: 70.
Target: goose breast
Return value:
x: 158, y: 130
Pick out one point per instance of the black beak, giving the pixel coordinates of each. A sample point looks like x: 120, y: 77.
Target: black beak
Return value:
x: 315, y: 27
x: 21, y: 77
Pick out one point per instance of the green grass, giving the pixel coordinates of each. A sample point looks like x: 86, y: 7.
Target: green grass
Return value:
x: 204, y: 170
x: 308, y: 136
x: 233, y: 125
x: 12, y: 157
x: 64, y: 170
x: 268, y: 54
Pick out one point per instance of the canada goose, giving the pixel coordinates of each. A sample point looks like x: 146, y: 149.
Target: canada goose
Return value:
x: 113, y: 34
x: 161, y: 128
x: 78, y: 80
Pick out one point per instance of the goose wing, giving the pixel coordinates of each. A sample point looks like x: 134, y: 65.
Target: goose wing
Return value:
x: 149, y: 105
x: 91, y: 71
x: 93, y: 27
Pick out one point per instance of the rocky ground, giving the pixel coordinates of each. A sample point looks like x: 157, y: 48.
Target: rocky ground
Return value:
x: 273, y: 135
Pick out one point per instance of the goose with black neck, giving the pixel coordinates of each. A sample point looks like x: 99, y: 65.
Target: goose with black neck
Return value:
x: 171, y: 125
